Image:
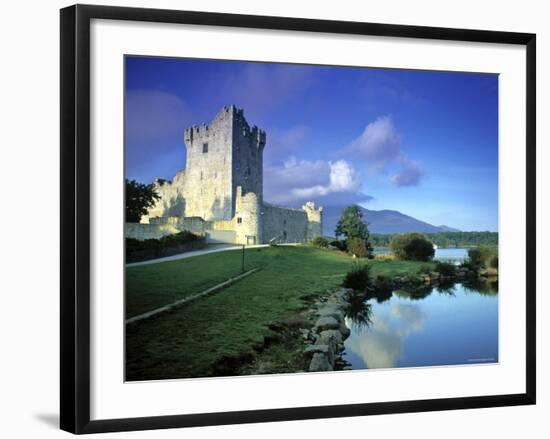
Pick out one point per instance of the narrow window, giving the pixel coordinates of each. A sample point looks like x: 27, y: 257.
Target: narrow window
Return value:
x: 204, y: 148
x: 239, y: 220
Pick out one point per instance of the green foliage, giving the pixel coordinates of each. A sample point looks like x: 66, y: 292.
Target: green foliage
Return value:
x: 320, y: 241
x: 357, y: 247
x: 444, y: 239
x: 412, y: 247
x: 139, y: 198
x: 483, y: 256
x: 426, y: 269
x: 383, y: 283
x: 445, y: 268
x: 357, y: 279
x: 351, y: 225
x: 133, y: 245
x: 339, y: 244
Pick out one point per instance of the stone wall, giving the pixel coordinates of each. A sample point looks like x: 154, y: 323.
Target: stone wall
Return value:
x: 283, y: 224
x: 142, y: 232
x: 192, y: 224
x: 208, y: 187
x: 314, y: 220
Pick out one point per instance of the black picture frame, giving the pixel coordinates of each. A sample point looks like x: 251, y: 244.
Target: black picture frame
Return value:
x: 75, y: 217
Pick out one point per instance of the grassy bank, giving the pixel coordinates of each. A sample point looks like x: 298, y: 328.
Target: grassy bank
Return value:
x: 218, y: 334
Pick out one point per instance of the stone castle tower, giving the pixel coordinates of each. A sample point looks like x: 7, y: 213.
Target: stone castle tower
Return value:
x: 220, y: 191
x: 221, y: 157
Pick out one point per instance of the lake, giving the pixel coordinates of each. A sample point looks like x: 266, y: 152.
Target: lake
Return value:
x: 455, y: 255
x: 429, y: 326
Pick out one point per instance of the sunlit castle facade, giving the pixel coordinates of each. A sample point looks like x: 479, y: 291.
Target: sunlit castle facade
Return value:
x: 219, y: 194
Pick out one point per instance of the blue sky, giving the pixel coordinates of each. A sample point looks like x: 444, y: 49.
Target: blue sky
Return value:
x: 423, y: 143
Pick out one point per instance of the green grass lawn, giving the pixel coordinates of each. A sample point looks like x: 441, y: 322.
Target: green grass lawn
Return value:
x: 207, y: 336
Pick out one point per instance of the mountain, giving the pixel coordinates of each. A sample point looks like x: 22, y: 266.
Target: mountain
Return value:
x: 382, y: 221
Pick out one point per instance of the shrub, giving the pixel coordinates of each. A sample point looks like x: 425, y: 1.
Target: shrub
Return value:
x: 357, y: 279
x: 412, y: 247
x: 445, y: 268
x: 425, y: 269
x: 133, y: 245
x: 383, y: 283
x: 357, y: 247
x: 483, y: 256
x: 340, y: 245
x: 385, y: 257
x: 320, y: 241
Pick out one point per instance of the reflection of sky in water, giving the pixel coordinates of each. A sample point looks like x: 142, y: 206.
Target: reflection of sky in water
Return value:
x: 441, y: 329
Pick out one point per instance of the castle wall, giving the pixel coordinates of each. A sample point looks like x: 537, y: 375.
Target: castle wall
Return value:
x: 192, y: 224
x: 248, y: 147
x: 142, y: 232
x: 284, y: 224
x: 208, y: 189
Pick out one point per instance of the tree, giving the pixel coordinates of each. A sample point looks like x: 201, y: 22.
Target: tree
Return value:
x: 352, y: 227
x: 139, y: 198
x: 357, y: 247
x: 412, y: 246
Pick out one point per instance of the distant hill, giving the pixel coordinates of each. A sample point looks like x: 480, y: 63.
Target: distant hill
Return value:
x: 382, y: 221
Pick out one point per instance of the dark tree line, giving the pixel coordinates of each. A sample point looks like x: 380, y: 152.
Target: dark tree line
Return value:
x: 444, y: 239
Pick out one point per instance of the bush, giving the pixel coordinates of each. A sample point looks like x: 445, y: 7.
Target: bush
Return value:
x: 133, y: 245
x: 445, y: 268
x: 357, y: 247
x: 383, y: 283
x: 425, y: 269
x: 320, y: 241
x: 483, y: 256
x: 412, y: 247
x: 385, y: 257
x: 340, y: 245
x: 357, y: 279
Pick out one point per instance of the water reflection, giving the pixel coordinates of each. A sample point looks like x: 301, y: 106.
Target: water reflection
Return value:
x: 453, y: 323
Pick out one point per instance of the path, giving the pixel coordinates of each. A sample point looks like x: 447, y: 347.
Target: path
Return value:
x: 211, y: 249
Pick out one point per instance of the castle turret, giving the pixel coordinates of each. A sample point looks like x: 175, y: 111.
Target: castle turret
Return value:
x: 314, y: 220
x: 247, y: 219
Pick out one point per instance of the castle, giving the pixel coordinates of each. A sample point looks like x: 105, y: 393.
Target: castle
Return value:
x: 219, y: 194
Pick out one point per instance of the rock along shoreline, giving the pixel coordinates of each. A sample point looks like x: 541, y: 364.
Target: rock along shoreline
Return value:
x: 325, y: 341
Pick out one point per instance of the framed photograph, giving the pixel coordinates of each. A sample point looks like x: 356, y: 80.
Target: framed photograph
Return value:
x: 274, y: 218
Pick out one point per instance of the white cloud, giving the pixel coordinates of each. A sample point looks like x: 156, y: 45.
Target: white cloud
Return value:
x: 342, y: 178
x: 379, y: 143
x: 321, y: 181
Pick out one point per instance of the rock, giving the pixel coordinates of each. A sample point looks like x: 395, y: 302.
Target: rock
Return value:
x: 344, y: 330
x: 319, y: 363
x: 328, y: 351
x: 332, y: 311
x: 313, y: 349
x: 325, y: 323
x: 330, y: 337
